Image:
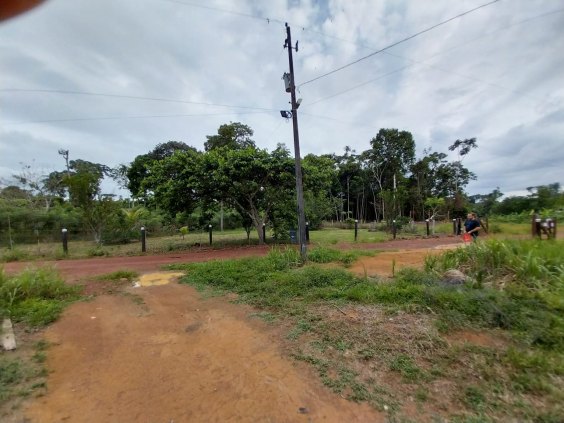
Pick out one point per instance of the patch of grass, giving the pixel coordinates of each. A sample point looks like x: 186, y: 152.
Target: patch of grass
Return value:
x: 265, y: 316
x: 118, y: 275
x: 21, y: 374
x: 98, y: 252
x: 474, y: 398
x: 322, y: 254
x: 13, y: 254
x: 34, y: 296
x: 532, y: 263
x: 405, y: 366
x: 302, y: 326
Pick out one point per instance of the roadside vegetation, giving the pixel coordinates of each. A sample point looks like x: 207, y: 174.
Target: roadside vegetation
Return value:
x: 32, y: 299
x: 329, y: 235
x: 416, y: 346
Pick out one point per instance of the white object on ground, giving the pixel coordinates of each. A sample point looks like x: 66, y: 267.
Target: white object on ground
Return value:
x: 8, y: 337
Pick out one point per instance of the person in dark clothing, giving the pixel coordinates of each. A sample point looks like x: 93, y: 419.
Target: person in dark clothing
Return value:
x: 472, y: 225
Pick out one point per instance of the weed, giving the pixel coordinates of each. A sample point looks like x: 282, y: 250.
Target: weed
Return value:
x: 97, y: 252
x: 421, y: 394
x: 342, y: 345
x: 13, y: 254
x: 474, y: 398
x: 323, y: 255
x: 301, y: 327
x: 265, y: 316
x: 405, y: 366
x: 35, y: 296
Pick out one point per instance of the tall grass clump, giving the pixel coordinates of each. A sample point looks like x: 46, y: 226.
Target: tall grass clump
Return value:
x: 531, y: 263
x: 524, y: 281
x: 34, y: 296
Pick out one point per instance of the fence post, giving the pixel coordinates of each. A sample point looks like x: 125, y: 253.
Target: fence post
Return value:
x: 454, y: 226
x: 537, y: 225
x: 394, y: 228
x: 210, y: 231
x: 65, y: 240
x: 143, y: 239
x: 427, y: 226
x: 355, y: 230
x: 264, y: 232
x: 307, y: 232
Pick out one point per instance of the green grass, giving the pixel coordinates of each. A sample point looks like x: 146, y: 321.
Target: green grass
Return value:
x: 35, y: 296
x: 527, y: 308
x: 322, y: 254
x: 22, y: 374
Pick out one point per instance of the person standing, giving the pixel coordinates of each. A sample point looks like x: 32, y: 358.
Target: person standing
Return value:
x: 472, y: 225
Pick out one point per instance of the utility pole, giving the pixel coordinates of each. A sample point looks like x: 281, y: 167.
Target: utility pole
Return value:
x: 299, y: 184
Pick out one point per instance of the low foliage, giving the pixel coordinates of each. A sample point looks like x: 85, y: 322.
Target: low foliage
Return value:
x: 34, y: 296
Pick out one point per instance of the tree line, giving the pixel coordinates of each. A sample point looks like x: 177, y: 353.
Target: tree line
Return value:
x: 176, y: 185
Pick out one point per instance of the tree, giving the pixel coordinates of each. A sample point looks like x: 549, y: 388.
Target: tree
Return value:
x: 251, y: 180
x: 132, y: 176
x: 12, y: 192
x: 434, y: 205
x: 484, y: 204
x: 172, y: 181
x: 546, y: 196
x: 462, y: 148
x: 390, y: 157
x: 84, y: 180
x: 233, y: 136
x: 320, y: 182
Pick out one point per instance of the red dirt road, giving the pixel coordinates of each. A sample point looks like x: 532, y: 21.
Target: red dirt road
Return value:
x: 74, y: 270
x: 178, y: 358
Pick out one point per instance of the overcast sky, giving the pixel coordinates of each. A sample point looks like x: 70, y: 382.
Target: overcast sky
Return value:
x: 496, y: 74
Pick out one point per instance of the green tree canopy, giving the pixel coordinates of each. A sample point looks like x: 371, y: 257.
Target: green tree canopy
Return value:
x: 233, y: 136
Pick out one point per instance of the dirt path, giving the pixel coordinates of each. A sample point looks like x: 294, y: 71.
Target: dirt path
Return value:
x: 177, y: 358
x: 74, y: 270
x: 388, y: 262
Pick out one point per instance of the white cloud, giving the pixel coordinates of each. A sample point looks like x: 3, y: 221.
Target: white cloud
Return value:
x: 491, y: 76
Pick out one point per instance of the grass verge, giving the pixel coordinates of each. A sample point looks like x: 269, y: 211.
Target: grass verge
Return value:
x: 35, y: 297
x: 393, y: 343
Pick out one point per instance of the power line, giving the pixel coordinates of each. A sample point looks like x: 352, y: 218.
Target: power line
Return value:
x: 82, y: 119
x: 339, y: 120
x: 423, y: 62
x: 359, y: 85
x: 231, y: 12
x: 133, y: 97
x: 397, y: 43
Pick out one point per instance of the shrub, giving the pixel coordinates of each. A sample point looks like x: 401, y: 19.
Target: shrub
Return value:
x: 35, y: 296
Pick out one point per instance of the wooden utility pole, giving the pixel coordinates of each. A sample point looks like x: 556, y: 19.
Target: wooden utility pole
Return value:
x: 299, y: 184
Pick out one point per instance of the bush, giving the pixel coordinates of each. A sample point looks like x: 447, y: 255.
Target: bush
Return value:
x: 35, y: 296
x: 98, y: 252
